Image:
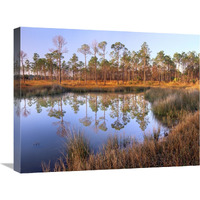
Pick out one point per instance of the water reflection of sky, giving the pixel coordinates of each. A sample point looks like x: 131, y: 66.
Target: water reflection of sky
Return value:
x: 45, y: 122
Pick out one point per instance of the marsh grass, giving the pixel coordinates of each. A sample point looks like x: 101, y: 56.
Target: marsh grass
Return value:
x: 54, y: 89
x: 172, y: 105
x: 77, y: 151
x: 179, y: 109
x: 179, y: 148
x: 45, y: 87
x: 46, y: 166
x: 39, y: 91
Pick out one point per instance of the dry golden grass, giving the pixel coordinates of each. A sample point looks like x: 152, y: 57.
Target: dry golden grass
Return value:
x: 179, y: 148
x: 100, y: 84
x: 32, y: 83
x: 42, y: 87
x: 171, y: 105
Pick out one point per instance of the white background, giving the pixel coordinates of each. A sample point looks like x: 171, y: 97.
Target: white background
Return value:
x: 171, y: 16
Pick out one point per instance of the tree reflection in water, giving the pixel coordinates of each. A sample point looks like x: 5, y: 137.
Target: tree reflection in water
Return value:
x: 94, y: 105
x: 63, y: 126
x: 86, y: 121
x: 141, y: 116
x: 117, y: 124
x: 25, y: 112
x: 17, y: 107
x: 105, y: 103
x: 116, y: 110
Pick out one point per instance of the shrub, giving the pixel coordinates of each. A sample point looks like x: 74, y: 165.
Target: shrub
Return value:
x: 130, y: 82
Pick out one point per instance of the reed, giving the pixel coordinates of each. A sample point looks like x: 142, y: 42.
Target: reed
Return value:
x: 77, y: 151
x: 170, y: 105
x: 179, y: 148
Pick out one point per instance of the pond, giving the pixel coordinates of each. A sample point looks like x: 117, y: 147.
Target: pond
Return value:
x: 46, y: 121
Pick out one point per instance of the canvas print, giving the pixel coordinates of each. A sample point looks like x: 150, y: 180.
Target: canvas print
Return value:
x: 90, y: 100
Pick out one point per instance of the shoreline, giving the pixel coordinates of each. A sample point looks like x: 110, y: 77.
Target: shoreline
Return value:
x: 179, y: 148
x: 41, y: 88
x: 112, y: 84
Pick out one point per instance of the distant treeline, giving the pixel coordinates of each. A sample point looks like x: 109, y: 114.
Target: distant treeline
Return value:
x: 123, y: 65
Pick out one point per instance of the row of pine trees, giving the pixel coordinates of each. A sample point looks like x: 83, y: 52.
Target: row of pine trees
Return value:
x: 124, y: 65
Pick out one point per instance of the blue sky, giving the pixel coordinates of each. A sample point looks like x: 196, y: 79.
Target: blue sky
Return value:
x: 39, y: 40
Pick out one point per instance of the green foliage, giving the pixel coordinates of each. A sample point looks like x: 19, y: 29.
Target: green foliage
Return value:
x: 85, y: 49
x: 102, y: 46
x: 116, y: 53
x: 131, y: 82
x: 144, y: 54
x: 93, y: 61
x: 122, y: 63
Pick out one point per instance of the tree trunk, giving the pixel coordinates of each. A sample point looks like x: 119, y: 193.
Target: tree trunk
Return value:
x: 45, y: 75
x: 175, y: 75
x: 95, y: 71
x: 188, y: 78
x: 51, y: 73
x: 60, y: 69
x: 104, y: 75
x: 118, y: 72
x: 117, y: 75
x: 144, y: 76
x: 144, y: 71
x: 123, y: 75
x: 80, y: 76
x: 23, y: 73
x: 85, y: 71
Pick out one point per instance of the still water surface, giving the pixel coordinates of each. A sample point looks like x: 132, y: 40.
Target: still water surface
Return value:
x: 46, y: 121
